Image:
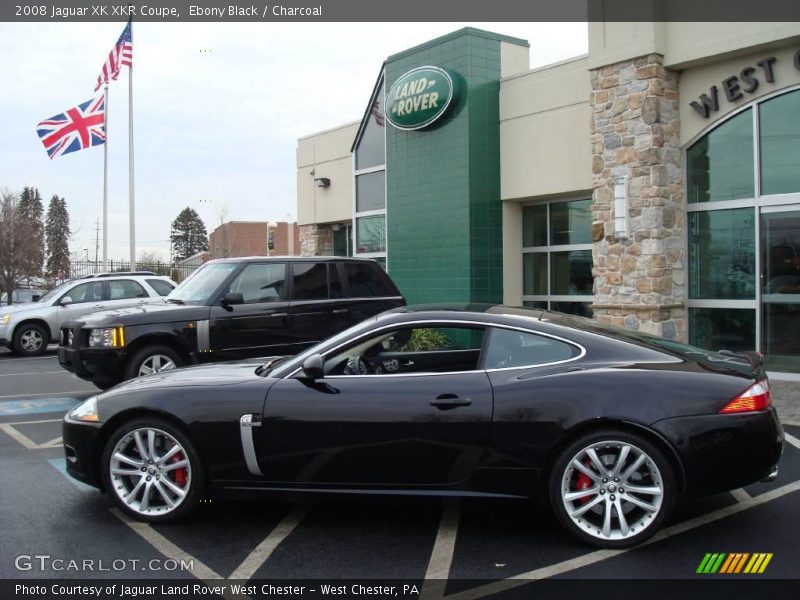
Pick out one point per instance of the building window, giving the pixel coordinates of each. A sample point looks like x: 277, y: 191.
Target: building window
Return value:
x: 743, y: 233
x: 370, y: 181
x: 342, y: 240
x: 557, y: 256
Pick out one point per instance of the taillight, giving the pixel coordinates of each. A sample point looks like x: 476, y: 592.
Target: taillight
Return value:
x: 756, y: 397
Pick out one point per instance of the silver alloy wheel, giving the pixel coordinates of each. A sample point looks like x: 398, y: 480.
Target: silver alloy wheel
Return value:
x: 150, y: 471
x: 31, y: 340
x: 156, y: 363
x: 612, y: 490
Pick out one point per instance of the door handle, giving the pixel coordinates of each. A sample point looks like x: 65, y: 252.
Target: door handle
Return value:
x: 448, y: 401
x: 278, y: 315
x: 340, y: 311
x: 408, y: 363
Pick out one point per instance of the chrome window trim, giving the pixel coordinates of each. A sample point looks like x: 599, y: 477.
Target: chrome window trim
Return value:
x: 445, y: 323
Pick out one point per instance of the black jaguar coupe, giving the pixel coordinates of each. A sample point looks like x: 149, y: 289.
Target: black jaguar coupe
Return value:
x: 611, y: 425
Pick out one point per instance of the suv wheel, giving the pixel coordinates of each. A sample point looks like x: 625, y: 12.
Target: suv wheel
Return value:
x: 152, y: 359
x: 30, y: 339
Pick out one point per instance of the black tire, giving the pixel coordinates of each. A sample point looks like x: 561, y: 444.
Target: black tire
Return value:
x: 589, y: 529
x: 139, y: 357
x: 195, y: 480
x: 23, y: 336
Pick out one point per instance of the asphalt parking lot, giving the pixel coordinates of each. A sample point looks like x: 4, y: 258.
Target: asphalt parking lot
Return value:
x: 469, y: 548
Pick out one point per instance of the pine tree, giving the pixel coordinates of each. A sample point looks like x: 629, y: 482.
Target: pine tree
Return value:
x: 30, y: 206
x: 188, y: 235
x: 57, y: 232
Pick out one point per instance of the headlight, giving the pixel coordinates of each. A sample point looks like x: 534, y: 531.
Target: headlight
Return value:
x: 108, y: 337
x: 5, y: 319
x: 85, y: 411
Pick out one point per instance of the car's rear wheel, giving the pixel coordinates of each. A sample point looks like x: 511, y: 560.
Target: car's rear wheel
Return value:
x: 612, y: 489
x: 30, y: 339
x: 152, y: 471
x: 152, y: 359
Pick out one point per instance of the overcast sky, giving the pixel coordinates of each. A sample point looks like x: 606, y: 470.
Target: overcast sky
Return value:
x: 218, y: 110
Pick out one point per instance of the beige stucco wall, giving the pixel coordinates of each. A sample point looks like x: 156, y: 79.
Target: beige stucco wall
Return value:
x: 698, y: 80
x: 325, y: 154
x: 544, y: 131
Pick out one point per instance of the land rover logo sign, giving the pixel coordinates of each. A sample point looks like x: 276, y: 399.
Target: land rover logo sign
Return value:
x: 418, y: 98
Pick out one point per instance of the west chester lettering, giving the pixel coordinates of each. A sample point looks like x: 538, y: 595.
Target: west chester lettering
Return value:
x: 411, y: 97
x: 736, y: 86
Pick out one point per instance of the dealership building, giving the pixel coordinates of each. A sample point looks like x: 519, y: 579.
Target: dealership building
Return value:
x: 653, y: 183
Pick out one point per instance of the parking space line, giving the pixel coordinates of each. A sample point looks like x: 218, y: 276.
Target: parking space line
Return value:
x: 27, y: 442
x: 740, y: 495
x: 441, y: 558
x: 264, y: 550
x: 45, y: 394
x: 165, y: 547
x: 600, y: 555
x: 791, y: 439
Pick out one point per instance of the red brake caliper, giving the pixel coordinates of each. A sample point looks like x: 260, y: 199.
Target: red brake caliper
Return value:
x: 583, y: 482
x: 180, y: 473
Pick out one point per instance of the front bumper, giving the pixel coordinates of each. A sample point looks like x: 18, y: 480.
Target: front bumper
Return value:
x: 101, y: 365
x: 723, y: 452
x: 81, y: 450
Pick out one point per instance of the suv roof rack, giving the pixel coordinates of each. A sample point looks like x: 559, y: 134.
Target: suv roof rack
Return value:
x: 118, y: 274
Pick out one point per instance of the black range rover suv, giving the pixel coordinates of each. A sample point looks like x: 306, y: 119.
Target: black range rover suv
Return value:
x: 229, y: 309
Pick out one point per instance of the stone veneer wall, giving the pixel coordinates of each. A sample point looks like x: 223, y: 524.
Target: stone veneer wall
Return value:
x: 316, y: 240
x: 639, y: 280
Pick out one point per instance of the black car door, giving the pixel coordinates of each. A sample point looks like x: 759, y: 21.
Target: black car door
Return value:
x: 317, y: 308
x: 260, y: 326
x: 387, y: 429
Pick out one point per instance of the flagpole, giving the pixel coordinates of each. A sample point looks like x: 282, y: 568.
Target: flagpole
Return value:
x: 131, y: 195
x: 105, y: 184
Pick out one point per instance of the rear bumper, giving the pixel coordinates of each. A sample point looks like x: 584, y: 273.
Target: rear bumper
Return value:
x: 723, y: 452
x: 101, y: 366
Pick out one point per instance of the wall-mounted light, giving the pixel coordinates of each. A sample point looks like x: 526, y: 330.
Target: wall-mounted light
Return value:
x: 620, y: 206
x: 336, y: 226
x: 322, y: 182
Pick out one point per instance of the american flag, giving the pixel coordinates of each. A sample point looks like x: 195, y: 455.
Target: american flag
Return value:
x: 121, y: 55
x: 74, y: 129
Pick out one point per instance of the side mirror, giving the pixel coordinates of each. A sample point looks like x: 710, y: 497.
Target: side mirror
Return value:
x: 232, y: 298
x: 65, y: 301
x: 312, y: 367
x: 36, y: 297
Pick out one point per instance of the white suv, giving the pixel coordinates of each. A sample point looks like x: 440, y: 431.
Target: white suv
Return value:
x: 28, y: 328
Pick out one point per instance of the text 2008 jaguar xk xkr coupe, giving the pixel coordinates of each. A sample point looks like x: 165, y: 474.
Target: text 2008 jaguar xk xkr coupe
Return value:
x: 494, y: 401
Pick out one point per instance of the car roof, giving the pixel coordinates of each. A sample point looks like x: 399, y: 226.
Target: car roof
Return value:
x: 241, y: 259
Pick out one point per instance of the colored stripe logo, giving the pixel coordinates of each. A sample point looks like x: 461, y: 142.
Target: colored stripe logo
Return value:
x: 734, y: 563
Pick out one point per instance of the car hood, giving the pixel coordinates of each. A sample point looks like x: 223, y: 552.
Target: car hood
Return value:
x: 20, y: 308
x: 159, y: 312
x: 217, y: 374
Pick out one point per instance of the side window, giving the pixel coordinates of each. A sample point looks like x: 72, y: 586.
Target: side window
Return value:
x: 310, y: 281
x: 125, y: 289
x: 510, y: 348
x: 367, y: 280
x: 86, y: 292
x: 334, y: 281
x: 162, y: 288
x: 410, y: 350
x: 260, y: 282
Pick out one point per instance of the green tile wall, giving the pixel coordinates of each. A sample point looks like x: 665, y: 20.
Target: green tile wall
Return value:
x: 444, y: 221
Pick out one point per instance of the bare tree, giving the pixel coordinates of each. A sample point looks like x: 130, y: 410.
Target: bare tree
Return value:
x: 19, y: 244
x: 223, y: 246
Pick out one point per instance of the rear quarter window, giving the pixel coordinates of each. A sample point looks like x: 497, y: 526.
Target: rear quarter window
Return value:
x: 367, y: 280
x: 162, y: 288
x: 511, y: 348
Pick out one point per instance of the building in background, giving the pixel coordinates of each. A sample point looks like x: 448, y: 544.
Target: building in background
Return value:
x: 652, y: 183
x: 254, y: 238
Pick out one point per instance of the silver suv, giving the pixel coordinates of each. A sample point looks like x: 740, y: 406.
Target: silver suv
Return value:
x: 28, y: 328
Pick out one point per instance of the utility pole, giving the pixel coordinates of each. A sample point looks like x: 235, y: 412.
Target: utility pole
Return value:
x: 96, y: 242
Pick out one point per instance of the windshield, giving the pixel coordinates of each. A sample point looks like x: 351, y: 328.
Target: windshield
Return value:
x: 201, y: 285
x: 55, y: 291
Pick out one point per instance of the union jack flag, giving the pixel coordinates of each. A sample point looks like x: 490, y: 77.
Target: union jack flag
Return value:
x: 74, y: 129
x: 121, y: 55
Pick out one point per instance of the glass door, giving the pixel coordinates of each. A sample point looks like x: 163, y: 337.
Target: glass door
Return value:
x: 780, y: 287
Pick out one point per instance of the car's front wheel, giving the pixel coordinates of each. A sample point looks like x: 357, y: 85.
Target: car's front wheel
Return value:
x: 613, y: 489
x: 30, y: 339
x: 152, y: 471
x: 152, y: 359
